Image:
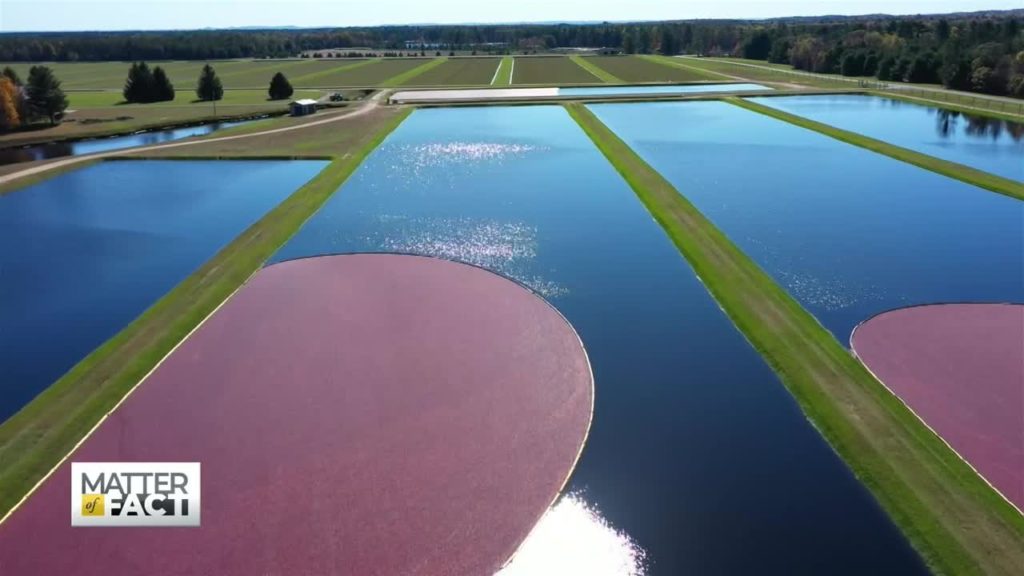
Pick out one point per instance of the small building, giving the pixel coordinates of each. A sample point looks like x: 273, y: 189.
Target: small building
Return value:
x: 303, y: 107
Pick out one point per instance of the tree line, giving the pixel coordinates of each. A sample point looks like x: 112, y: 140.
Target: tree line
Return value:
x: 981, y: 51
x: 980, y: 55
x: 40, y: 97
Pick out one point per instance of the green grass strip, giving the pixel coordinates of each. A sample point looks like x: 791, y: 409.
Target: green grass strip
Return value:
x: 670, y: 61
x: 35, y: 439
x: 410, y: 74
x: 503, y: 77
x: 956, y: 521
x: 596, y: 70
x: 324, y: 73
x: 960, y: 172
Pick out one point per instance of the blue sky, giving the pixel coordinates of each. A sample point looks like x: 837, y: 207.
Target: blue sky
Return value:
x: 22, y: 15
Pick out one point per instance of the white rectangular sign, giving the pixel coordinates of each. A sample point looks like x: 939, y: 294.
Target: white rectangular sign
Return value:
x: 135, y: 494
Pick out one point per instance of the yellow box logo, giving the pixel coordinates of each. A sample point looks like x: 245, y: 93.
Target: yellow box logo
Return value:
x: 92, y: 504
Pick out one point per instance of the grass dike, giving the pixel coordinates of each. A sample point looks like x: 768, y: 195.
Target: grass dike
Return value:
x: 955, y: 521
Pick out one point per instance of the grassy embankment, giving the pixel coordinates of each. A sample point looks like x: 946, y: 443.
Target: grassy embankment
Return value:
x: 960, y: 172
x: 601, y: 73
x: 408, y: 75
x: 35, y: 439
x: 503, y: 76
x: 641, y: 68
x: 951, y: 516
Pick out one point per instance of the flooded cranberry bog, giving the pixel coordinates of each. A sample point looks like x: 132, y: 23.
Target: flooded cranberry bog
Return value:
x: 696, y: 450
x: 393, y: 414
x: 698, y: 460
x: 960, y: 367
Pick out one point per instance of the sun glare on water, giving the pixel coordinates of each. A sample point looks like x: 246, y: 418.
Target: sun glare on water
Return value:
x: 573, y: 538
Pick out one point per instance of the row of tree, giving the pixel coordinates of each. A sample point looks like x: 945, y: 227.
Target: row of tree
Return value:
x: 964, y: 54
x: 980, y: 51
x: 144, y: 85
x: 22, y: 103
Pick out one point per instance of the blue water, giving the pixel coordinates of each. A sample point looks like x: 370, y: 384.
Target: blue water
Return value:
x: 848, y: 232
x: 994, y: 146
x: 82, y: 254
x: 665, y: 89
x: 697, y: 452
x: 60, y: 149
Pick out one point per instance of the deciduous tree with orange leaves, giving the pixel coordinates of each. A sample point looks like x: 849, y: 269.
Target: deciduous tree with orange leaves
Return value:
x: 9, y: 105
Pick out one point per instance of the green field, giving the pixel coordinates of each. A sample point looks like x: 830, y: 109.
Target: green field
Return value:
x: 458, y: 72
x: 588, y: 65
x: 634, y: 69
x: 235, y: 74
x: 79, y: 100
x: 551, y: 70
x: 503, y: 77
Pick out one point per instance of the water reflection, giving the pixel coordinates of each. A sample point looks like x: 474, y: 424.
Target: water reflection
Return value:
x: 573, y: 538
x: 946, y: 122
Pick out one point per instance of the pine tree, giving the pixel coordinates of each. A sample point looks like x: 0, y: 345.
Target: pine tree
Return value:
x: 280, y: 88
x: 163, y: 90
x: 45, y: 97
x: 11, y: 75
x: 138, y: 87
x: 209, y: 87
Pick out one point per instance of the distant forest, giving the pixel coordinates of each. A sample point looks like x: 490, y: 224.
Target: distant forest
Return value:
x: 981, y: 52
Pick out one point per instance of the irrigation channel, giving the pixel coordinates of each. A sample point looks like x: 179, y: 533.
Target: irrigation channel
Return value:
x: 84, y: 253
x: 91, y: 145
x: 697, y: 453
x: 848, y: 232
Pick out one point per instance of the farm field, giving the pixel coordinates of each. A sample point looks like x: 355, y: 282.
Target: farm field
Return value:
x: 234, y: 74
x: 640, y: 69
x: 458, y: 72
x: 551, y: 70
x: 723, y: 69
x: 184, y: 98
x: 865, y: 247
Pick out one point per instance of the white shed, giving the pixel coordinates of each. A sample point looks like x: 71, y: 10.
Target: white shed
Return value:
x: 303, y: 107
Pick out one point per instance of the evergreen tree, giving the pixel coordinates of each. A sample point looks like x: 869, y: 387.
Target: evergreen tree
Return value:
x: 163, y: 90
x: 45, y: 97
x: 669, y: 44
x: 138, y: 88
x: 280, y: 88
x: 209, y: 87
x: 11, y: 75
